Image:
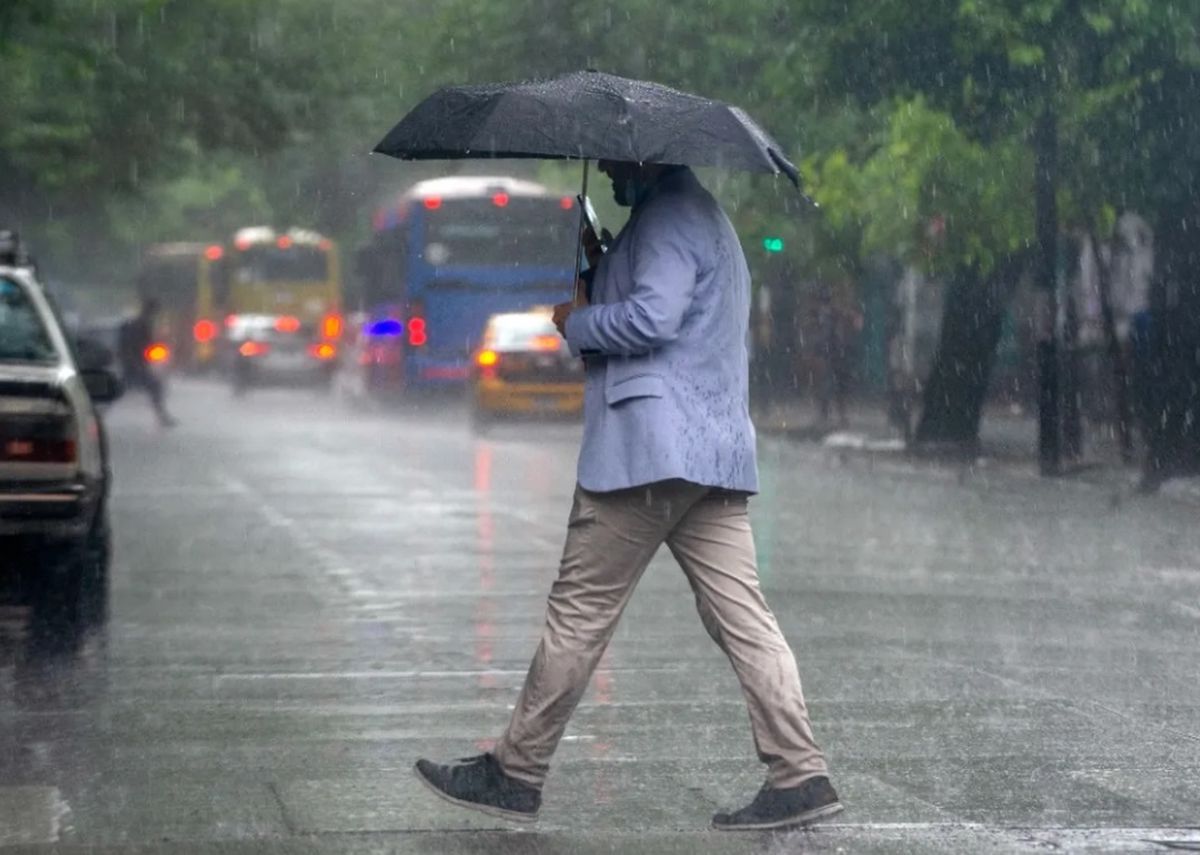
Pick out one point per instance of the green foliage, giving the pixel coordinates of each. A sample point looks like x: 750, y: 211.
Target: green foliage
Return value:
x: 207, y: 203
x: 928, y: 194
x: 1115, y: 72
x: 133, y: 117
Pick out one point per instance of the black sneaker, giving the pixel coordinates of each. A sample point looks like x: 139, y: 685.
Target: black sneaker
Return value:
x: 479, y: 783
x: 811, y: 801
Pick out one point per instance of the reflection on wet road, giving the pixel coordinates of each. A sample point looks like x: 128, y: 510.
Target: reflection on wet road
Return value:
x: 307, y: 596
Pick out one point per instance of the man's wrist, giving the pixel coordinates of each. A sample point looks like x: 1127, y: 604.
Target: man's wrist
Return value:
x: 573, y: 318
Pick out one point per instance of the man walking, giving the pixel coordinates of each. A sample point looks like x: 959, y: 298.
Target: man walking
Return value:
x: 668, y: 456
x: 136, y: 335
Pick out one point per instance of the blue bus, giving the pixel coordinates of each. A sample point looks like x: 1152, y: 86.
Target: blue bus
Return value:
x: 443, y: 258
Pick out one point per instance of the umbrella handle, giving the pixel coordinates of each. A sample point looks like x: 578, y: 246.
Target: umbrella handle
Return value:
x: 576, y: 286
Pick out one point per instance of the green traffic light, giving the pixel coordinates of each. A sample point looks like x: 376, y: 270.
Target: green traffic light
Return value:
x: 773, y: 244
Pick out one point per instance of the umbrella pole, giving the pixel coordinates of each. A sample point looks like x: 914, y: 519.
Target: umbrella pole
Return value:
x: 577, y: 288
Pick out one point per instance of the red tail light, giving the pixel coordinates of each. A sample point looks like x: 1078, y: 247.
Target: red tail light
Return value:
x: 500, y: 200
x: 487, y: 360
x: 253, y: 348
x: 214, y: 252
x: 37, y: 450
x: 416, y: 332
x: 284, y: 242
x: 157, y: 353
x: 323, y: 351
x: 433, y: 202
x: 287, y: 324
x: 546, y: 343
x: 331, y: 326
x: 204, y: 330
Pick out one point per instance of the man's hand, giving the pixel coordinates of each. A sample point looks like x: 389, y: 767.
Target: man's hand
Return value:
x: 561, y: 312
x: 593, y: 246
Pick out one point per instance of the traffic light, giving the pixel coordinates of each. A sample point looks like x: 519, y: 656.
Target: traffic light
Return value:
x: 773, y: 244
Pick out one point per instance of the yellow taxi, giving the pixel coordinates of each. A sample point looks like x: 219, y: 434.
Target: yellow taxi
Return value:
x: 524, y: 368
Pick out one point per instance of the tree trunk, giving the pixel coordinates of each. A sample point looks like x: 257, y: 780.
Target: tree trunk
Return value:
x: 958, y: 382
x: 1168, y: 373
x: 1116, y: 352
x: 1045, y: 145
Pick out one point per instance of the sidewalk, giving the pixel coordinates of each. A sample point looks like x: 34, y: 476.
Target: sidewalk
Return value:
x: 1008, y: 436
x: 1004, y: 434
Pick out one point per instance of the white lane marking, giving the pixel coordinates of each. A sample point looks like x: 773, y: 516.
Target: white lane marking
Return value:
x: 1079, y: 839
x: 331, y: 563
x: 375, y: 675
x: 31, y: 815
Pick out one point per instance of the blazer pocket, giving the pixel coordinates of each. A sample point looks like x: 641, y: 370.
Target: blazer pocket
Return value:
x: 635, y: 386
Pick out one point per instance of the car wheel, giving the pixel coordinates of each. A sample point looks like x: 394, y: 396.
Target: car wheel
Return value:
x: 97, y: 561
x: 55, y: 590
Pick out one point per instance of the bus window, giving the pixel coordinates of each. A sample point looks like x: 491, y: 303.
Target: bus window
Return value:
x: 170, y: 277
x: 273, y: 264
x: 479, y: 232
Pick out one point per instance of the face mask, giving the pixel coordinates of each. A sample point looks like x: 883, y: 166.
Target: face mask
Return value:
x: 625, y: 192
x: 629, y: 191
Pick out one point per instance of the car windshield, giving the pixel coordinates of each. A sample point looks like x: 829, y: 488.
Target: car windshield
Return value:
x: 23, y: 336
x: 513, y: 332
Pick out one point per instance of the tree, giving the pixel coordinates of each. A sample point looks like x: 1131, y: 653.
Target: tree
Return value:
x: 954, y: 207
x: 101, y: 100
x: 1048, y: 74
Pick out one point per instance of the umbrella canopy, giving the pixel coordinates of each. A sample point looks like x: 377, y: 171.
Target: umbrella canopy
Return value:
x: 585, y: 115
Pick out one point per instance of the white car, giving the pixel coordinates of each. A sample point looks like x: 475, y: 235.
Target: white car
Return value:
x: 278, y: 348
x: 54, y: 469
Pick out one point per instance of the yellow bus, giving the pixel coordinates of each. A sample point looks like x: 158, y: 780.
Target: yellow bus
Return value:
x: 180, y: 277
x: 279, y: 299
x: 203, y: 290
x: 295, y: 273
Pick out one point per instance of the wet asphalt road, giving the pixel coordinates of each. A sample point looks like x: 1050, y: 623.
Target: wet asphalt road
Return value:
x: 308, y: 596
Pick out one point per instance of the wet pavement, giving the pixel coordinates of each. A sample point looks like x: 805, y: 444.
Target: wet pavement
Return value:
x: 308, y: 595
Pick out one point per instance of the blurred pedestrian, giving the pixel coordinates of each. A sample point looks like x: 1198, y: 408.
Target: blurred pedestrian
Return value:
x: 668, y: 456
x: 135, y: 338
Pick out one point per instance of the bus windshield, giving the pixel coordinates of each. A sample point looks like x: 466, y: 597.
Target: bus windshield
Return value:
x: 170, y: 278
x: 274, y: 264
x: 524, y: 231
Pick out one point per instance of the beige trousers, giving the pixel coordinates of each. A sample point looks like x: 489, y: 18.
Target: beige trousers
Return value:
x: 611, y: 537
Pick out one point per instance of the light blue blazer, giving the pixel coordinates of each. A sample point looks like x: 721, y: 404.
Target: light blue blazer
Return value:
x: 667, y: 388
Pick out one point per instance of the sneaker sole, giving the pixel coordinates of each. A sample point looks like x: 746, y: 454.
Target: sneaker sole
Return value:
x: 802, y: 819
x: 511, y: 815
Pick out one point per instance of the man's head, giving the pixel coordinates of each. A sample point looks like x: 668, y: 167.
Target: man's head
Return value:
x: 630, y: 180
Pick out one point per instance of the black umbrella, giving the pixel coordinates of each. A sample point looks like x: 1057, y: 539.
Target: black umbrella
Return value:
x: 584, y: 115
